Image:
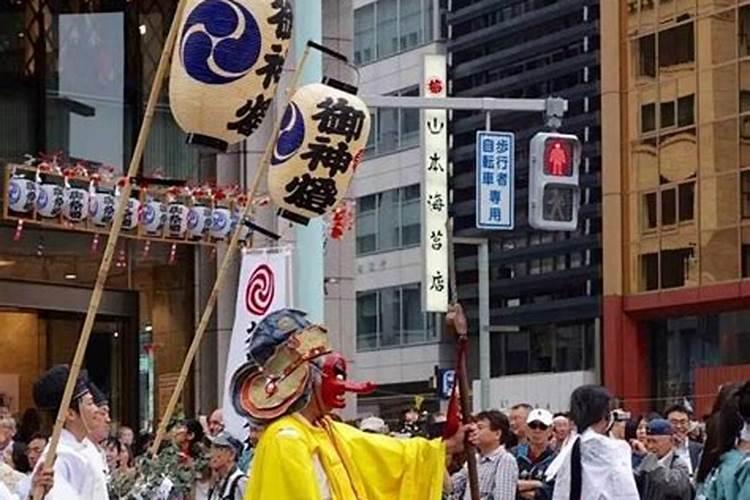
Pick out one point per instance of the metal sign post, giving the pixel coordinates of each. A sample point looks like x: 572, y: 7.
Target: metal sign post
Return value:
x: 553, y: 108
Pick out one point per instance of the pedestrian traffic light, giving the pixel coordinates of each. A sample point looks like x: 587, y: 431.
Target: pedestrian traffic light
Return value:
x: 554, y: 193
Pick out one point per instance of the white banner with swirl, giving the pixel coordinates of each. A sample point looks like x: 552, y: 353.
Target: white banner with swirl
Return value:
x: 264, y: 287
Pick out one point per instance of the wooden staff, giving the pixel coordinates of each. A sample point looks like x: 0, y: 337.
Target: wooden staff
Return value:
x: 462, y: 339
x: 114, y: 233
x: 223, y: 270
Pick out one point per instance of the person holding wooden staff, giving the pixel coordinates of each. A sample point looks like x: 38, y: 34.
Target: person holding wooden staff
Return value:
x: 292, y: 383
x: 76, y: 477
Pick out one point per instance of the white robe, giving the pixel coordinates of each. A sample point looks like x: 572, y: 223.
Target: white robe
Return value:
x: 74, y: 475
x: 99, y: 467
x: 607, y: 471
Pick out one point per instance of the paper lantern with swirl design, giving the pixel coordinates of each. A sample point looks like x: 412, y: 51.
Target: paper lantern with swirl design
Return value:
x: 226, y: 66
x: 320, y: 145
x: 21, y: 194
x: 50, y: 199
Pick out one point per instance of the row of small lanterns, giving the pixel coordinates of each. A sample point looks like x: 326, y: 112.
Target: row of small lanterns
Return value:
x: 172, y: 218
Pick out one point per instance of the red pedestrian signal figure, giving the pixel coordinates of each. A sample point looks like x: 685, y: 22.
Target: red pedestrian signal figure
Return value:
x: 554, y: 190
x: 557, y: 159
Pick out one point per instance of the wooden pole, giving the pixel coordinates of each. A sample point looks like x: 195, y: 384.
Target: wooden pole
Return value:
x: 463, y: 379
x: 223, y: 272
x: 114, y: 233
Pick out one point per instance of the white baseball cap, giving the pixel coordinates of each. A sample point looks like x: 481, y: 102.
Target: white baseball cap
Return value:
x: 373, y: 424
x: 540, y: 415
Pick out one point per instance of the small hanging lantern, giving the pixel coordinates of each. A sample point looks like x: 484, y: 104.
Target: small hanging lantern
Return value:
x: 102, y: 207
x: 199, y: 221
x: 75, y: 199
x: 49, y: 198
x: 177, y: 219
x: 75, y: 204
x: 154, y: 216
x: 226, y: 65
x: 132, y: 214
x: 21, y: 194
x: 320, y: 145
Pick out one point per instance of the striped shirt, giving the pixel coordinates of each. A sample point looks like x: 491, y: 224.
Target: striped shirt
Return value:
x: 498, y: 477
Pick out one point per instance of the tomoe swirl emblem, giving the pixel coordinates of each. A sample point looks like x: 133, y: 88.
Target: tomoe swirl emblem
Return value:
x: 291, y: 135
x: 220, y: 42
x: 260, y: 290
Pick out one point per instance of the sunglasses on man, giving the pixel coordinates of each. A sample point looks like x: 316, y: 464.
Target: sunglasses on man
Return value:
x: 538, y: 426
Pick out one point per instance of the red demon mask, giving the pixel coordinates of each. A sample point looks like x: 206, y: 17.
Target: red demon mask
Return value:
x: 335, y: 384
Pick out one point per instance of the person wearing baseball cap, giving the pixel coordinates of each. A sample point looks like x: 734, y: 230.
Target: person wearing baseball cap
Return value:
x: 662, y: 474
x: 228, y: 481
x: 535, y: 455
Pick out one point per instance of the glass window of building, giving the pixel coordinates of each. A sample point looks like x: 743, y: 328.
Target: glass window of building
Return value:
x: 391, y: 317
x: 648, y: 118
x: 676, y: 46
x: 649, y: 271
x: 745, y: 193
x: 649, y: 211
x: 387, y: 27
x: 546, y: 349
x: 686, y: 111
x: 647, y: 56
x: 389, y: 220
x: 410, y: 216
x: 686, y: 195
x: 367, y: 320
x: 669, y: 207
x: 395, y: 129
x: 367, y: 224
x: 364, y: 34
x: 684, y: 346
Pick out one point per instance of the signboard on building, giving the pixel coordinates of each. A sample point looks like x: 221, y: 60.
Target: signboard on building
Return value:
x: 435, y: 188
x: 495, y: 167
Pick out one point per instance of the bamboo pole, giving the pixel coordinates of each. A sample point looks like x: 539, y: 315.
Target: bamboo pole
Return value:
x: 109, y: 251
x: 462, y: 340
x: 223, y: 270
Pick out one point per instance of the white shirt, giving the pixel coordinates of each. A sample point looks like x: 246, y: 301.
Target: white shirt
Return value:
x: 607, y: 471
x: 682, y: 450
x: 74, y: 475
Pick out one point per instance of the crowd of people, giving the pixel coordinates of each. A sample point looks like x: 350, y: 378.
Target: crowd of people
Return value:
x: 589, y: 452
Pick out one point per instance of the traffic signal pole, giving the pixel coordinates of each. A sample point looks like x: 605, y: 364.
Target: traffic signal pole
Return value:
x: 554, y: 108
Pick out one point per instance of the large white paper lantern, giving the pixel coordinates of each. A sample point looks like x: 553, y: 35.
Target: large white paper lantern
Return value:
x: 177, y: 214
x: 49, y: 200
x: 320, y: 145
x: 226, y: 65
x: 154, y: 216
x: 221, y: 223
x: 199, y: 221
x: 75, y: 204
x: 102, y: 208
x: 21, y: 194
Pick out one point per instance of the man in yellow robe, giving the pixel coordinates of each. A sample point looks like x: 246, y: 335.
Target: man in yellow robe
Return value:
x: 291, y: 384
